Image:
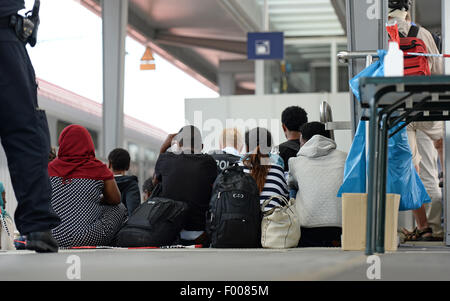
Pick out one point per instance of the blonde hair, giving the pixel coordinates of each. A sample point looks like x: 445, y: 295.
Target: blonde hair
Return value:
x: 231, y: 137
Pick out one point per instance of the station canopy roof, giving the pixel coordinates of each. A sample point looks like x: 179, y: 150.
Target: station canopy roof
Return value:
x: 203, y: 37
x: 304, y: 18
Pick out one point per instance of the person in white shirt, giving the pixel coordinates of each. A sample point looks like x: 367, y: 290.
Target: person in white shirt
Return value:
x: 399, y: 12
x: 429, y: 172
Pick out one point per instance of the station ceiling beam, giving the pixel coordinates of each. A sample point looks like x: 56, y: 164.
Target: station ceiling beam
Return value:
x: 188, y: 60
x: 215, y: 44
x: 247, y: 14
x: 340, y: 9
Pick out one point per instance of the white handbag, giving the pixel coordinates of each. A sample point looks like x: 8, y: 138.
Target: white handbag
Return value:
x: 280, y: 226
x: 6, y: 233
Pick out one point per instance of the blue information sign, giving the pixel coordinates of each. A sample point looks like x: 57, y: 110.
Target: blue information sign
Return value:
x: 265, y: 45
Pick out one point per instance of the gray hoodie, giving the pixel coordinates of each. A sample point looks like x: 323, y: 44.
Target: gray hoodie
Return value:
x: 317, y: 146
x: 317, y: 173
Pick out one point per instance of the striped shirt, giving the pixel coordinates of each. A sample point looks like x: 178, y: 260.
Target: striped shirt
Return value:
x: 275, y: 185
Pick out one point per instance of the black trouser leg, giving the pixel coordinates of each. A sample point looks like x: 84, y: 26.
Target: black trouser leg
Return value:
x: 320, y: 237
x: 24, y: 136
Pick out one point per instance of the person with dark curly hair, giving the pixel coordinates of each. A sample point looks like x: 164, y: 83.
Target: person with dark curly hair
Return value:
x: 292, y: 119
x: 119, y: 163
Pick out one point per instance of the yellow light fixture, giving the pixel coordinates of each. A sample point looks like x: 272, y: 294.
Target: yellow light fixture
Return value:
x: 148, y: 61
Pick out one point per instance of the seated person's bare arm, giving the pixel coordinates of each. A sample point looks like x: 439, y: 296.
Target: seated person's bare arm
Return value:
x: 111, y: 193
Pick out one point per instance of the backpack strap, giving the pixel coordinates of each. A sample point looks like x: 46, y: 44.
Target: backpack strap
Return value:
x: 156, y: 192
x: 413, y: 31
x: 233, y: 167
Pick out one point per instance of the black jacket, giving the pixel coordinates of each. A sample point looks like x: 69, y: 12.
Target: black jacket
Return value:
x: 188, y: 178
x: 288, y: 150
x: 10, y: 7
x: 129, y: 190
x: 223, y: 159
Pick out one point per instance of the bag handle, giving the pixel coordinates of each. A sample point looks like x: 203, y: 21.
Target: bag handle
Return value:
x: 235, y: 166
x: 4, y: 225
x: 279, y: 197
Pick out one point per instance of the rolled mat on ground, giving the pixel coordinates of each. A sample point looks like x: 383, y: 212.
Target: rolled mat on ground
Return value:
x: 132, y: 248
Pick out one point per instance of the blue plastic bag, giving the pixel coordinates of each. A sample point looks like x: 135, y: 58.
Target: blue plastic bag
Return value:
x: 355, y: 165
x: 374, y: 70
x: 402, y: 177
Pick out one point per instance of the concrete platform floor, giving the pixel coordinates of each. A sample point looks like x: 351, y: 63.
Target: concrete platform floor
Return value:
x: 429, y: 262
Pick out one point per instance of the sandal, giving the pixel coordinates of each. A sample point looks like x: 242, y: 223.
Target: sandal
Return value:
x: 418, y: 235
x: 408, y: 236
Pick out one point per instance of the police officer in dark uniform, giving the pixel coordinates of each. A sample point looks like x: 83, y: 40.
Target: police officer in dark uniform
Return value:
x: 24, y: 130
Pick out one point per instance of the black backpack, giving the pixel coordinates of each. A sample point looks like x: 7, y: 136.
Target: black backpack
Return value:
x: 155, y: 223
x: 234, y: 216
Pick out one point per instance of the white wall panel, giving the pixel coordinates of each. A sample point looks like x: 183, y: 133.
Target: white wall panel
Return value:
x: 209, y: 114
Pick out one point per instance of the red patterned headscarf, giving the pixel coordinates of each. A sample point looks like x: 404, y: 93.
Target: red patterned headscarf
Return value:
x: 76, y: 157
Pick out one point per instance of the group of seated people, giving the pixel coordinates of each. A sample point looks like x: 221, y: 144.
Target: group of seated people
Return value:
x: 93, y: 199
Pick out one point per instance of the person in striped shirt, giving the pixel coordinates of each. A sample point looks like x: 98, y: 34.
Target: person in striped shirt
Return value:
x: 259, y: 162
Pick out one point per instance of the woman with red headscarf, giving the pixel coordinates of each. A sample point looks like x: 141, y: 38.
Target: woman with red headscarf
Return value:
x: 84, y: 193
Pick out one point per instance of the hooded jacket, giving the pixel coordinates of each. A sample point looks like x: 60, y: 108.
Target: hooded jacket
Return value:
x: 129, y: 191
x: 317, y: 173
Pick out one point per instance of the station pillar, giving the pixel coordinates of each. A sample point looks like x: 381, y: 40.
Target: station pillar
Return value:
x: 366, y: 21
x: 446, y: 49
x: 115, y: 21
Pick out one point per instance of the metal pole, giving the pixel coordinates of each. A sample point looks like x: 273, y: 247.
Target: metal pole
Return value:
x: 447, y: 182
x: 334, y: 67
x: 115, y: 20
x: 260, y: 64
x: 382, y: 176
x: 446, y: 49
x: 346, y: 56
x: 372, y: 177
x: 365, y: 31
x: 369, y: 60
x: 227, y: 84
x: 266, y: 15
